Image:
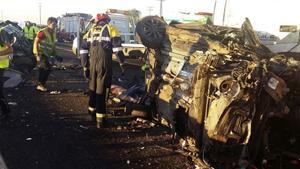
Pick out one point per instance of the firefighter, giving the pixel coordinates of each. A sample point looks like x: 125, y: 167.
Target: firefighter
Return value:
x: 6, y: 51
x: 44, y: 50
x: 98, y: 45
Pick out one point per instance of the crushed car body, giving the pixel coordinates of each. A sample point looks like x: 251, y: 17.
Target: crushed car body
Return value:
x: 217, y: 87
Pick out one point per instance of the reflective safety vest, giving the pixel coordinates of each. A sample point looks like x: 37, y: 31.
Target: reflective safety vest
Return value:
x: 4, y: 59
x: 46, y: 47
x: 33, y: 31
x: 96, y: 33
x: 28, y: 33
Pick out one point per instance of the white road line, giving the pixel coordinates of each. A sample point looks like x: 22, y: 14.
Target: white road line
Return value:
x: 2, y: 163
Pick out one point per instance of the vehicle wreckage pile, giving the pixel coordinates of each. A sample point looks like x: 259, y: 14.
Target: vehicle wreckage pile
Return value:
x: 23, y: 59
x: 221, y: 90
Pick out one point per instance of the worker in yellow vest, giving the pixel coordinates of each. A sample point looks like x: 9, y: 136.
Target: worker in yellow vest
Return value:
x: 44, y: 49
x: 5, y: 51
x: 28, y: 31
x: 33, y: 30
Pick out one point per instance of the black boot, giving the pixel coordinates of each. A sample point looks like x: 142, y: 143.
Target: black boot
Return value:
x: 5, y: 110
x: 100, y: 120
x: 92, y: 113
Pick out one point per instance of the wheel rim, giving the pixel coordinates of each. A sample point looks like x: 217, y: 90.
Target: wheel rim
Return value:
x: 154, y: 28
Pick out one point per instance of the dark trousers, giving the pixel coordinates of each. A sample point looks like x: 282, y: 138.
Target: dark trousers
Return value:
x: 3, y: 103
x: 100, y: 77
x: 44, y: 70
x: 43, y: 75
x: 98, y: 101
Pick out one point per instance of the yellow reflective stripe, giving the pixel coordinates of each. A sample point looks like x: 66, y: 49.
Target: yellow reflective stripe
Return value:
x: 87, y: 35
x: 113, y: 31
x: 100, y: 115
x: 91, y: 109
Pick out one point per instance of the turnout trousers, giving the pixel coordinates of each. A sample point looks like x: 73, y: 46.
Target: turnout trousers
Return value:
x: 100, y: 78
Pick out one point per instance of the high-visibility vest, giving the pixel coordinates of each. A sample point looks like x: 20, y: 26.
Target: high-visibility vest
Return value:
x: 33, y: 31
x: 28, y: 33
x: 96, y: 33
x: 4, y: 59
x: 46, y: 47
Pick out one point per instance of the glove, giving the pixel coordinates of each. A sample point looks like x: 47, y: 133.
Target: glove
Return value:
x: 86, y: 73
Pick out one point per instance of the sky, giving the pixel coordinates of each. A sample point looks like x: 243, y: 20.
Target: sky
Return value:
x: 265, y: 15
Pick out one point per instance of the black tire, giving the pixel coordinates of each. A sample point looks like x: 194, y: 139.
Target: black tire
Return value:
x: 152, y: 31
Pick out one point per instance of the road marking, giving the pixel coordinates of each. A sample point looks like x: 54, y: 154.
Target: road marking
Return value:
x: 2, y: 163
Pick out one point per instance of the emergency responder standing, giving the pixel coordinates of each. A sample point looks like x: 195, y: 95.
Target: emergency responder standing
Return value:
x: 28, y: 32
x: 5, y: 51
x: 44, y: 49
x: 34, y: 30
x: 100, y: 42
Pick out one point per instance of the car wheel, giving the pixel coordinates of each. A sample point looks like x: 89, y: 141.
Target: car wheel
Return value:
x: 152, y: 31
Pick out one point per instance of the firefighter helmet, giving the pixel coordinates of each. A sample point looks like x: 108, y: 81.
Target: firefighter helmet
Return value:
x: 102, y: 17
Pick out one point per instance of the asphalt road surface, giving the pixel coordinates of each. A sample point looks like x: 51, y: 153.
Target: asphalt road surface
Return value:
x: 52, y: 130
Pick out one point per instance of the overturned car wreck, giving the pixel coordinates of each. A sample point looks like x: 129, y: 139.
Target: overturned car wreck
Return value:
x: 219, y: 89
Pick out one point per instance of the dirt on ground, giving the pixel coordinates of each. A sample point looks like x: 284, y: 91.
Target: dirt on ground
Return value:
x: 53, y: 130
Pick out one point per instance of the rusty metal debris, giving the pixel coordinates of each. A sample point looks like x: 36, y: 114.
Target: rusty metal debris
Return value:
x: 218, y: 86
